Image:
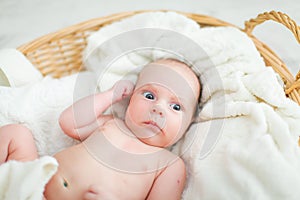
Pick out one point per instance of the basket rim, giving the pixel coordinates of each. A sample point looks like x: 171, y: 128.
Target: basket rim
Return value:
x: 85, y: 28
x: 87, y: 24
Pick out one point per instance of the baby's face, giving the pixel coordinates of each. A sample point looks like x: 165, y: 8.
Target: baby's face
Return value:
x: 162, y: 105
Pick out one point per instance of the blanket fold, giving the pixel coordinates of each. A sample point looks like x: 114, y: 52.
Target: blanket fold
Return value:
x: 26, y: 180
x: 244, y: 144
x: 17, y: 69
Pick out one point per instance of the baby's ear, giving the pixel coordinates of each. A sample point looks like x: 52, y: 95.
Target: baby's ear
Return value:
x: 196, y: 118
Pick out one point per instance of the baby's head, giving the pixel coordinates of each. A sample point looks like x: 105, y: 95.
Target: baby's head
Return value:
x: 163, y: 103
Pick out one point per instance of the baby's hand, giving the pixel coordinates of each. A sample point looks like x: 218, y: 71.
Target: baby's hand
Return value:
x: 96, y: 193
x: 122, y: 89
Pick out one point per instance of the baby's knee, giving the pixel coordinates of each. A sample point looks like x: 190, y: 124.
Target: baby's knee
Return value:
x: 15, y: 135
x: 15, y: 130
x: 21, y: 142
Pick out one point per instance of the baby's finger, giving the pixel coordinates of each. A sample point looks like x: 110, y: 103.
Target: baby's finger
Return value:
x: 127, y: 92
x: 129, y: 88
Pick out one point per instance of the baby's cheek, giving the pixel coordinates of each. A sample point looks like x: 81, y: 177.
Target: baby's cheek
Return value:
x: 139, y: 109
x: 180, y: 123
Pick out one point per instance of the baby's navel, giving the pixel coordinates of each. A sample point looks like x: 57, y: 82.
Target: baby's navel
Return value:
x: 65, y: 183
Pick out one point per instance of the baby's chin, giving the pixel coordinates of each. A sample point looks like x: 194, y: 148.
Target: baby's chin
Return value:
x: 157, y: 139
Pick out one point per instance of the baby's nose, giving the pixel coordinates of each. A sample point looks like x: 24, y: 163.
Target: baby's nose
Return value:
x: 156, y: 109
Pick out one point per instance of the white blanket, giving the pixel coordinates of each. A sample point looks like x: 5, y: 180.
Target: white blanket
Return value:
x: 256, y: 155
x: 38, y: 106
x: 20, y: 181
x: 245, y: 143
x: 16, y: 69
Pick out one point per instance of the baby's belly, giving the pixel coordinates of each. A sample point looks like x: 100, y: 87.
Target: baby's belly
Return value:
x: 78, y: 170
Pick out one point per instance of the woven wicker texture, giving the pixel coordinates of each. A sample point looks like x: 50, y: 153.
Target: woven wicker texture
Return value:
x: 60, y: 53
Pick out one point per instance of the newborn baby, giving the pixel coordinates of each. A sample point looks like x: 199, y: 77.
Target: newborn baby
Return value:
x: 120, y: 159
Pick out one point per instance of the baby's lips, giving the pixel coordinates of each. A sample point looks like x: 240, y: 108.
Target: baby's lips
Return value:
x: 159, y: 121
x: 153, y: 123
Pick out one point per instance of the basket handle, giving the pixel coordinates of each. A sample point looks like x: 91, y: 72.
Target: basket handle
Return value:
x: 294, y: 28
x: 292, y: 84
x: 277, y: 17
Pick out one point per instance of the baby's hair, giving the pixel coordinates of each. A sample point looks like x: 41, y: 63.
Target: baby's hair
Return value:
x: 189, y: 67
x: 172, y: 60
x: 197, y: 109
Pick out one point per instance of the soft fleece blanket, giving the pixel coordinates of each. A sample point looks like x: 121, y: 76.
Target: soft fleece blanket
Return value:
x: 38, y: 106
x: 20, y: 181
x: 244, y: 145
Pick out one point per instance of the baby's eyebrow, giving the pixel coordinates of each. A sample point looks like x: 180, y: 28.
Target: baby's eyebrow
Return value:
x: 150, y: 87
x: 179, y: 100
x: 153, y: 88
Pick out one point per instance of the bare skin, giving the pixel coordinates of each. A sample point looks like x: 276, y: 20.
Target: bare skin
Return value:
x: 16, y: 143
x: 113, y: 184
x: 83, y: 174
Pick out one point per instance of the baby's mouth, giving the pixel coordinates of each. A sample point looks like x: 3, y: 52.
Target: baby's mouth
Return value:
x: 153, y: 125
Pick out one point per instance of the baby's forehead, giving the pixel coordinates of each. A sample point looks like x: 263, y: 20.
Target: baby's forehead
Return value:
x: 159, y: 88
x: 176, y: 71
x: 169, y: 78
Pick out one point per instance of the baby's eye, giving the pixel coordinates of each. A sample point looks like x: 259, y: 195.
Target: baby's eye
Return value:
x: 175, y: 106
x: 149, y: 95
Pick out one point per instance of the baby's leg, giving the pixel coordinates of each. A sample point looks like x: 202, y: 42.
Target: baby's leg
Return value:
x: 16, y: 143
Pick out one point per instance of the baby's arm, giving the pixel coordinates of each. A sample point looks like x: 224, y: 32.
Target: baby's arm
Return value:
x: 84, y: 116
x: 170, y: 183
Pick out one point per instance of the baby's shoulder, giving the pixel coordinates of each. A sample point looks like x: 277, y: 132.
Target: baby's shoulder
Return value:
x: 111, y: 121
x: 168, y: 158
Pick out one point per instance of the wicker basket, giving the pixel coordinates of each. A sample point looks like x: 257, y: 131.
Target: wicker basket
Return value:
x: 60, y: 53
